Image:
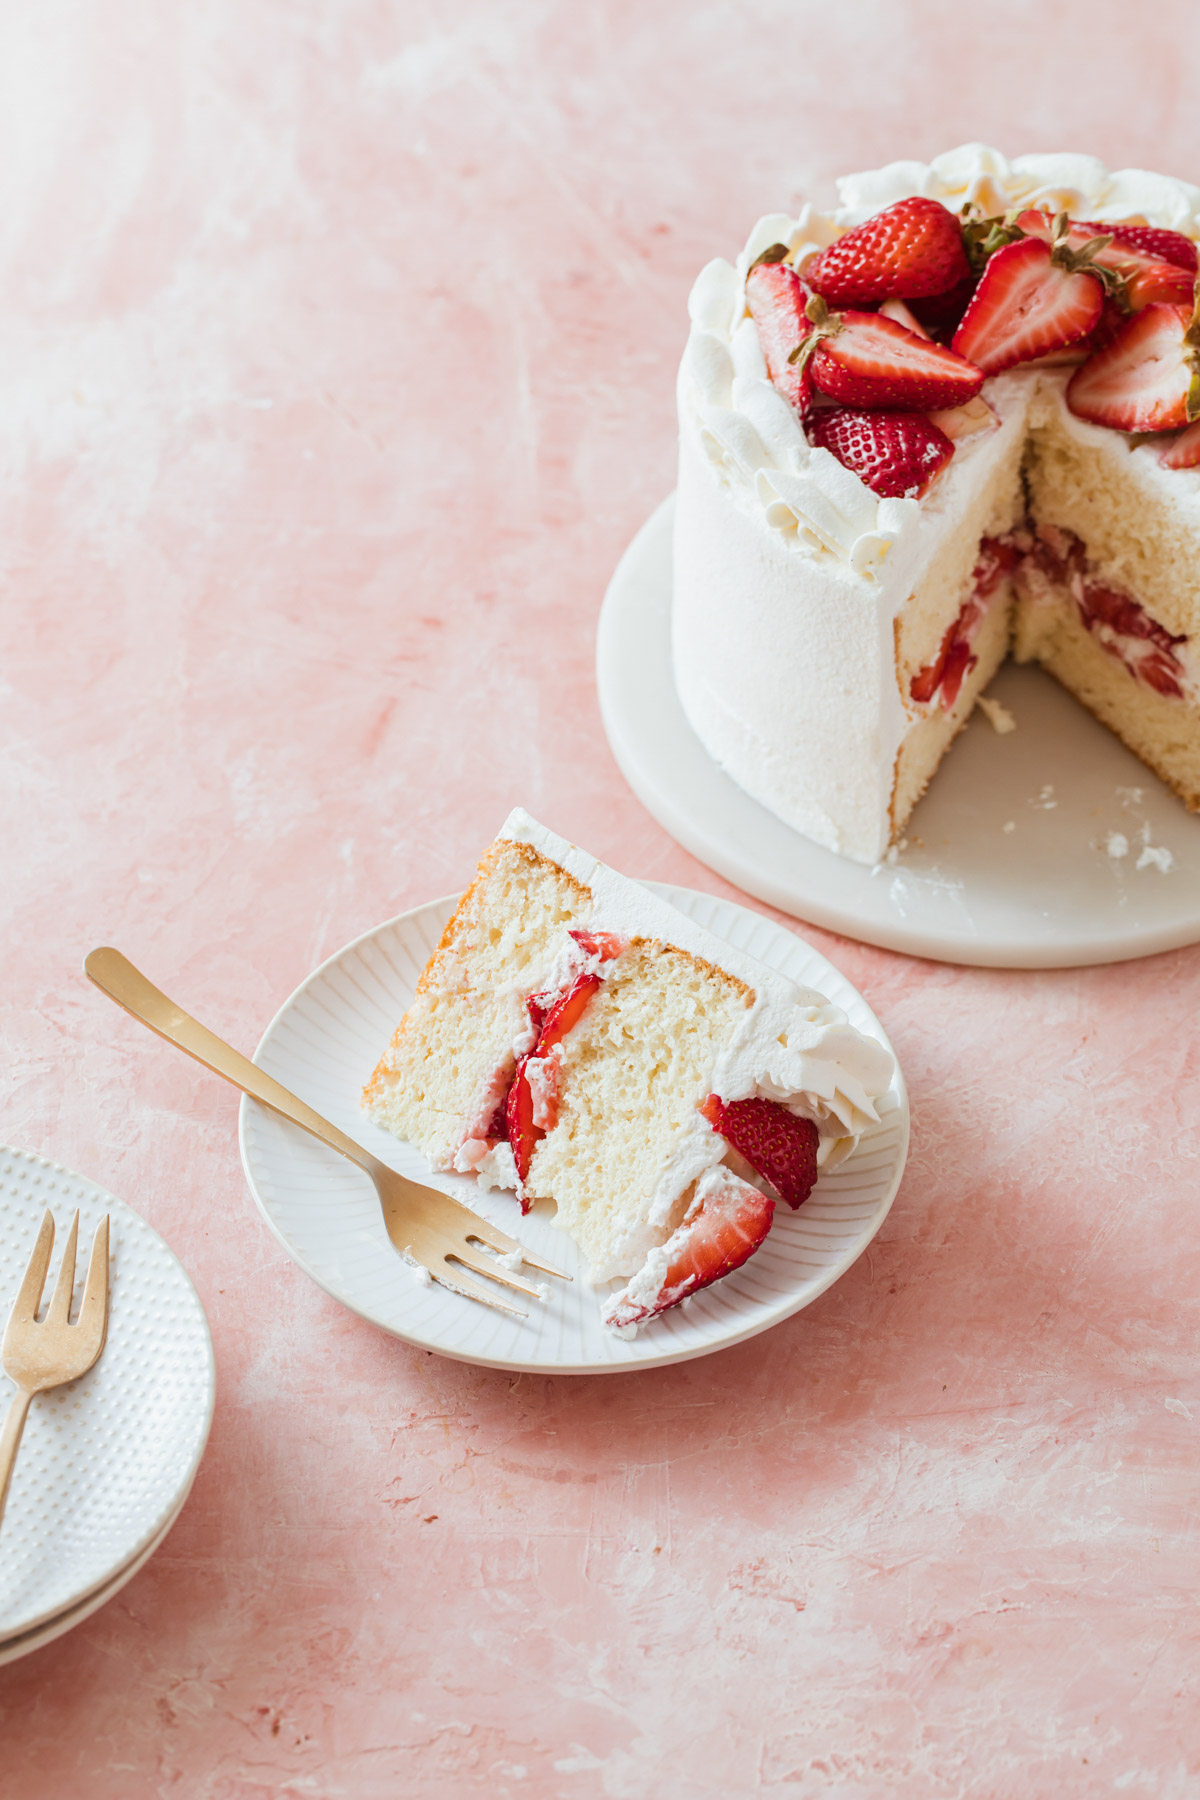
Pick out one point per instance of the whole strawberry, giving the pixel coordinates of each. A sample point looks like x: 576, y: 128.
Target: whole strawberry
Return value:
x: 897, y: 454
x: 906, y: 251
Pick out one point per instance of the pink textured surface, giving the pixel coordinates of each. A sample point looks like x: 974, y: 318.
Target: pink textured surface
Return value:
x: 337, y: 359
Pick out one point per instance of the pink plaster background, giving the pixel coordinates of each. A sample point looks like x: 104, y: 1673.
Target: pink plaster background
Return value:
x: 337, y: 348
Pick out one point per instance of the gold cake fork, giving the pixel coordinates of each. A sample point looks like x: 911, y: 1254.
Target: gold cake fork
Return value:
x: 44, y: 1356
x: 424, y: 1224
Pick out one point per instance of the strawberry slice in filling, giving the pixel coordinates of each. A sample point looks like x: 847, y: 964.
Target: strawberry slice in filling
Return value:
x: 1118, y: 622
x: 944, y: 676
x: 529, y: 1108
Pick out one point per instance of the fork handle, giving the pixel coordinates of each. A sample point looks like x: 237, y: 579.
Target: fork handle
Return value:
x: 10, y: 1438
x: 116, y: 976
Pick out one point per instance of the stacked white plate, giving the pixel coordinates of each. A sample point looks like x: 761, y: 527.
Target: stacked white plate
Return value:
x: 106, y: 1462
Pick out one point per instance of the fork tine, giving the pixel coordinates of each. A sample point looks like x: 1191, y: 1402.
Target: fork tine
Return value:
x: 60, y: 1305
x: 93, y: 1309
x: 494, y: 1239
x: 473, y: 1290
x: 485, y: 1265
x: 29, y: 1295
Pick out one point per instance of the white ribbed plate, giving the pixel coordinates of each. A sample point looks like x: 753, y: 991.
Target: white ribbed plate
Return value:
x: 106, y: 1461
x: 324, y: 1043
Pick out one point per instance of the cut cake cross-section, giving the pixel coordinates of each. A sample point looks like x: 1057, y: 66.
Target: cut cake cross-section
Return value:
x: 576, y: 1039
x: 846, y: 582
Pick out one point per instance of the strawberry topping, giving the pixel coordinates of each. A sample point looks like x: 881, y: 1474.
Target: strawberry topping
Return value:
x: 1145, y: 274
x: 777, y: 299
x: 778, y: 1146
x: 725, y: 1224
x: 865, y: 359
x: 908, y: 250
x: 1147, y: 379
x: 895, y: 453
x: 1031, y: 300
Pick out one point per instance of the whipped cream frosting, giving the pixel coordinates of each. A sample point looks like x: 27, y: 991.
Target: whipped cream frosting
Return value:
x: 746, y: 428
x: 793, y: 1046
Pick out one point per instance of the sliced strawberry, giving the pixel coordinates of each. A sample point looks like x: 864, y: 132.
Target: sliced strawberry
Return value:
x: 955, y: 658
x: 1145, y: 275
x: 778, y: 1146
x: 864, y: 359
x: 895, y: 453
x: 521, y: 1132
x: 724, y: 1226
x: 604, y: 944
x: 908, y: 250
x: 1184, y: 453
x: 1153, y: 241
x: 777, y: 299
x: 566, y: 1013
x: 1030, y: 300
x: 1148, y: 378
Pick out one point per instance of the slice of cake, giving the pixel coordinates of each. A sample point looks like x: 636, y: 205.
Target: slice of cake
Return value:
x: 949, y: 419
x: 577, y: 1040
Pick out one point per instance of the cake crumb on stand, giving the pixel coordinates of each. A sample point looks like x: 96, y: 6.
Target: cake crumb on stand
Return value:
x: 998, y: 715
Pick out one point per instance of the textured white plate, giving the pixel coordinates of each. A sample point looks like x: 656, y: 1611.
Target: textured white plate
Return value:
x: 12, y: 1649
x: 323, y: 1045
x: 1007, y: 864
x: 106, y: 1461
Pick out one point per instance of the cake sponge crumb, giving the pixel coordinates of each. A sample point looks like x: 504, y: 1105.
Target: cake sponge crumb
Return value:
x: 1002, y: 721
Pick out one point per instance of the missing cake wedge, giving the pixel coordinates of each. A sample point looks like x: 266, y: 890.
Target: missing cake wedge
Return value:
x: 577, y: 1040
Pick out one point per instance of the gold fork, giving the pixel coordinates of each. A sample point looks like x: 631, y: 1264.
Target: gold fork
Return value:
x: 424, y: 1224
x: 43, y: 1356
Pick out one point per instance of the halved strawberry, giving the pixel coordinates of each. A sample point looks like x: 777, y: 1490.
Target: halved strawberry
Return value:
x: 777, y: 299
x: 1147, y: 379
x: 895, y: 453
x: 1031, y: 299
x: 1184, y: 453
x: 1145, y: 275
x: 1153, y: 241
x: 778, y: 1146
x: 864, y: 359
x: 725, y: 1224
x: 909, y: 249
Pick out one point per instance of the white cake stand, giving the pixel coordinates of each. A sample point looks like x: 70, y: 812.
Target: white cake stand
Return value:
x: 1008, y: 861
